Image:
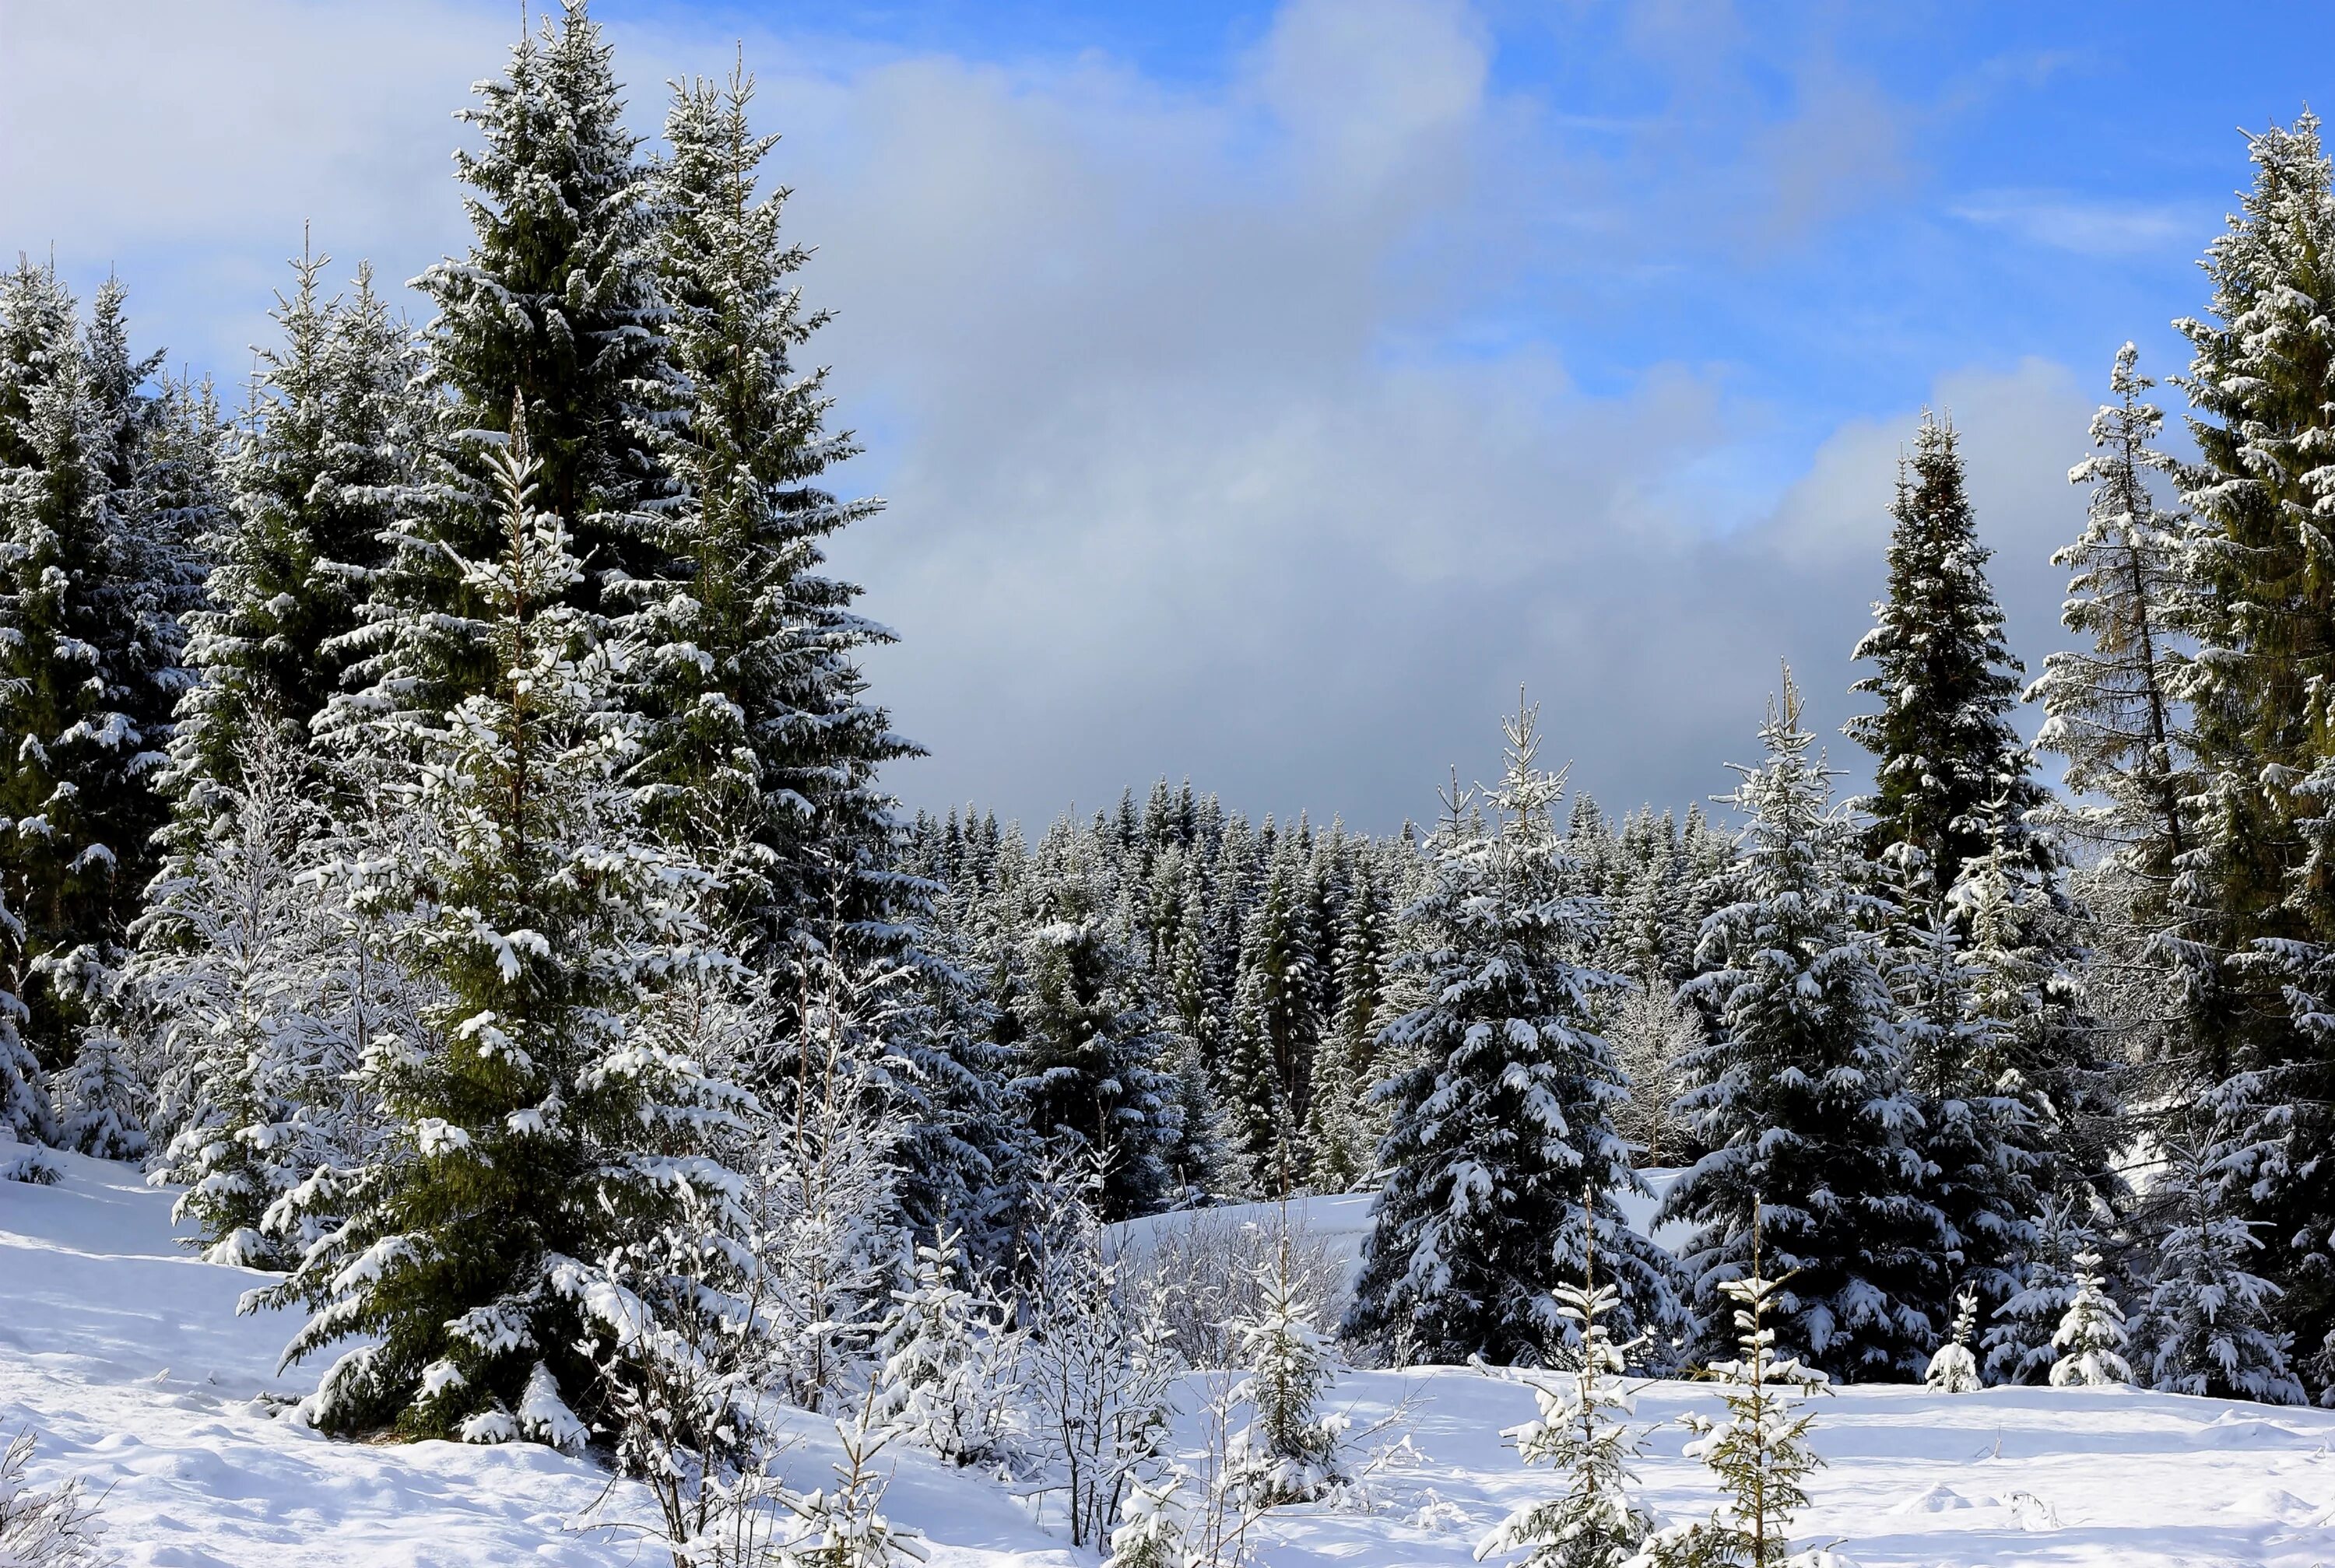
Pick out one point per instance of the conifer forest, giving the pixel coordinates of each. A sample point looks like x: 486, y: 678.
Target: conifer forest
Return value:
x: 446, y: 845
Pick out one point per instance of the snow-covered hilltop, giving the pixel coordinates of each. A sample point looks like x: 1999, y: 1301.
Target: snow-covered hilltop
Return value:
x: 123, y: 1354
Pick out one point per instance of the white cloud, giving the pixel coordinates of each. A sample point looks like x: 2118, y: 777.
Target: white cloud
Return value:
x: 1164, y: 496
x: 2086, y: 226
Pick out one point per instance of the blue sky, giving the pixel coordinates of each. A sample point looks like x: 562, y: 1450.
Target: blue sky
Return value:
x: 1264, y: 391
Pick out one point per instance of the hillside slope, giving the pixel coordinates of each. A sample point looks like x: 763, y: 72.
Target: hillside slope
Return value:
x: 125, y: 1354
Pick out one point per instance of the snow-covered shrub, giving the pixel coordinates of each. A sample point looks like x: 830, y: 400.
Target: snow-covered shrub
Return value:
x: 52, y: 1529
x: 2091, y: 1337
x: 1583, y: 1433
x: 1210, y: 1264
x: 947, y: 1358
x: 30, y: 1163
x: 1954, y: 1369
x: 845, y: 1527
x: 1289, y: 1452
x: 1101, y: 1362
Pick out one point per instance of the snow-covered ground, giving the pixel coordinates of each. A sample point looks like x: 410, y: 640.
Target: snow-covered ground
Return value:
x: 124, y: 1353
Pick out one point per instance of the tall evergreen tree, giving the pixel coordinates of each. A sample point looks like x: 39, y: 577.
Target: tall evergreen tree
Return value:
x: 1503, y: 1163
x: 1274, y: 1029
x: 94, y: 571
x: 1343, y: 1126
x: 1942, y: 744
x: 2114, y: 710
x: 534, y: 1128
x: 1088, y: 1048
x: 1801, y: 1096
x: 318, y: 469
x: 2259, y: 909
x: 557, y: 301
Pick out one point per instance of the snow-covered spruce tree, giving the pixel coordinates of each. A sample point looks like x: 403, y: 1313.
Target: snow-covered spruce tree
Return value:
x: 1100, y: 1364
x: 1942, y: 744
x: 947, y: 1357
x: 553, y: 310
x: 531, y: 1131
x: 2206, y: 1325
x: 100, y: 1100
x: 317, y: 469
x: 2018, y: 1340
x: 2257, y: 1073
x: 844, y: 1526
x: 1289, y: 1451
x: 1955, y: 1369
x: 2091, y: 1336
x: 1583, y: 1433
x: 94, y: 572
x: 1505, y: 1122
x: 2115, y: 710
x: 683, y: 1375
x: 1274, y: 1028
x: 1800, y: 1096
x: 236, y: 952
x: 1088, y: 1044
x: 1343, y: 1126
x: 760, y: 732
x: 1960, y: 1019
x: 26, y: 1115
x: 1759, y: 1452
x: 1152, y: 1529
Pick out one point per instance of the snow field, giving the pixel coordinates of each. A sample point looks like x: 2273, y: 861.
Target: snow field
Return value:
x: 124, y: 1353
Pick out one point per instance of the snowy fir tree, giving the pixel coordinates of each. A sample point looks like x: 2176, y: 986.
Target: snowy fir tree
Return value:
x: 26, y: 1114
x: 1343, y: 1126
x: 2114, y: 710
x: 101, y: 1099
x: 317, y: 469
x: 1087, y: 1039
x: 556, y: 300
x: 1151, y: 1529
x: 1966, y: 997
x: 1942, y: 744
x: 1759, y: 1451
x: 844, y: 1526
x: 554, y: 314
x: 1583, y: 1433
x: 94, y: 571
x: 760, y: 738
x: 2205, y: 1325
x: 1954, y: 1370
x: 1503, y: 1158
x: 1274, y: 1029
x: 2018, y: 1340
x: 1801, y: 1097
x: 531, y: 1133
x: 1289, y: 1452
x: 2091, y: 1337
x: 945, y: 1357
x: 2256, y: 1072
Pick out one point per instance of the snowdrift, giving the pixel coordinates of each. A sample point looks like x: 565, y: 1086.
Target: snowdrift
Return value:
x: 125, y: 1354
